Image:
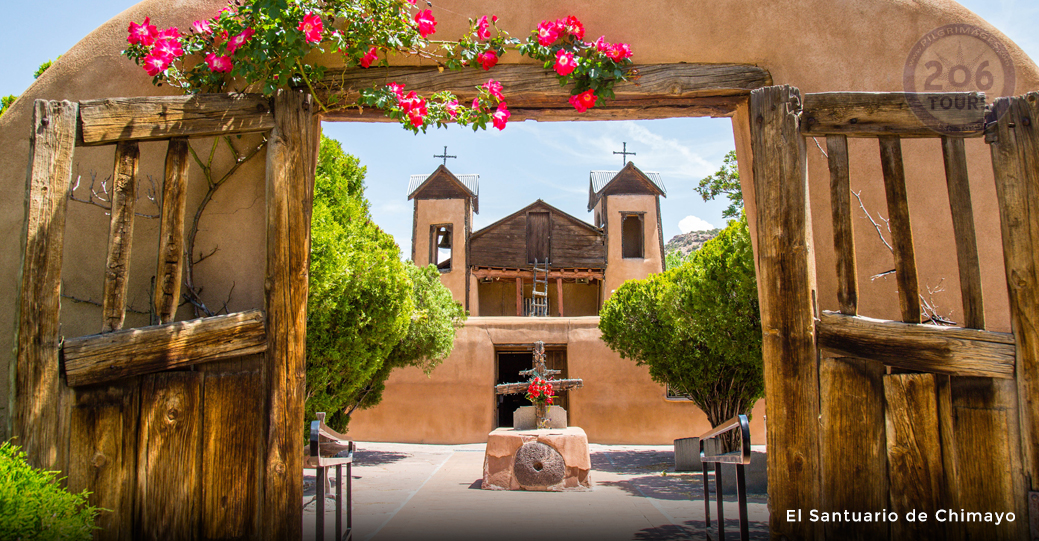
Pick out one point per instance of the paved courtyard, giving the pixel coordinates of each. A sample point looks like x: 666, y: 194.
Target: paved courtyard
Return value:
x: 408, y: 491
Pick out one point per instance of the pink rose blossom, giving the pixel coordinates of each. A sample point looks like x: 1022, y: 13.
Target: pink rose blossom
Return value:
x: 452, y: 108
x: 412, y: 2
x: 619, y: 51
x: 501, y: 116
x: 154, y: 64
x: 476, y: 104
x: 397, y: 89
x: 202, y: 27
x: 574, y: 27
x: 414, y: 107
x: 601, y: 44
x: 494, y: 18
x: 143, y: 34
x: 169, y: 49
x: 494, y: 88
x: 583, y: 101
x: 169, y: 33
x: 426, y: 23
x: 565, y: 63
x: 218, y: 64
x: 487, y: 59
x: 483, y: 30
x: 548, y: 32
x: 311, y: 26
x: 369, y: 57
x: 234, y: 43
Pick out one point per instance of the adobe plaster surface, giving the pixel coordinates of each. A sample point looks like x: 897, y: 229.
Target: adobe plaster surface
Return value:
x: 816, y: 45
x: 619, y: 268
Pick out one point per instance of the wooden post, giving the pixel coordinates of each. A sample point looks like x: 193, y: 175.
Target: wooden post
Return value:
x: 519, y: 296
x: 786, y: 291
x: 171, y: 232
x: 963, y: 226
x: 291, y: 159
x: 39, y: 425
x: 901, y: 232
x: 120, y: 235
x: 559, y: 295
x: 1015, y: 162
x: 843, y: 231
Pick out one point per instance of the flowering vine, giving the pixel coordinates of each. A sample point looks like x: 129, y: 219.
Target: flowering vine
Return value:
x: 539, y: 391
x: 264, y: 45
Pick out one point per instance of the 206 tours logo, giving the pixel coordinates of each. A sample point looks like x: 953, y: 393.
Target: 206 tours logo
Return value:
x: 958, y: 58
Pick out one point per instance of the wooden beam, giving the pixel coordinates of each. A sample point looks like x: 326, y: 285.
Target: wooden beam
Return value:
x: 629, y: 109
x: 559, y: 295
x: 147, y: 118
x: 786, y: 289
x: 291, y: 159
x: 171, y: 232
x: 926, y: 348
x: 519, y: 295
x: 562, y: 274
x: 843, y: 231
x: 37, y: 419
x: 963, y: 226
x: 100, y: 358
x: 1015, y: 163
x: 871, y: 114
x: 901, y: 230
x: 120, y: 235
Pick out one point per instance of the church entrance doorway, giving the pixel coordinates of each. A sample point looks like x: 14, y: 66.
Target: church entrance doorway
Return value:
x: 508, y: 364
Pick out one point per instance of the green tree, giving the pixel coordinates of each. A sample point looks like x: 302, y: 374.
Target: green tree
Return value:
x: 675, y: 258
x: 33, y: 505
x: 5, y: 102
x: 726, y: 180
x: 696, y: 326
x: 43, y: 67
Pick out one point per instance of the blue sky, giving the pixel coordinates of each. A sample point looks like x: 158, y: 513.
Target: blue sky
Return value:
x: 525, y: 162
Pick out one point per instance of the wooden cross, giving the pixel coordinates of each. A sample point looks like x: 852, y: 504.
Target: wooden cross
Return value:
x: 541, y: 371
x: 444, y: 155
x: 624, y: 153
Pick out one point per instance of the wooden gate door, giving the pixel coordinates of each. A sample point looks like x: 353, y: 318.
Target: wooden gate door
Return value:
x: 116, y: 412
x: 866, y: 415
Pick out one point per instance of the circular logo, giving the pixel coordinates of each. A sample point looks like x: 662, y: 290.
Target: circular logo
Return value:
x: 959, y: 58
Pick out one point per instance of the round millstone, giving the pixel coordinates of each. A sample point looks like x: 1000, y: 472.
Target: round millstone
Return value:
x: 538, y: 465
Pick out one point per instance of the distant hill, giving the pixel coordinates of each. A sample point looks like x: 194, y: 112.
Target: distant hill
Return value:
x: 689, y: 242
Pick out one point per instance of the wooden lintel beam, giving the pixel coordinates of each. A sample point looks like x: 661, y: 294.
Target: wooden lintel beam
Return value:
x: 116, y: 355
x: 512, y: 274
x: 870, y: 114
x: 926, y: 348
x: 110, y: 120
x: 649, y: 109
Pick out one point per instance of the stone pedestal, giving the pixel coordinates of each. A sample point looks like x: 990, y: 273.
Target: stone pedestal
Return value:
x: 546, y: 460
x: 524, y: 418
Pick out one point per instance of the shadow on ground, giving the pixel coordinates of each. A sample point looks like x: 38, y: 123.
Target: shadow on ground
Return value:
x: 377, y: 458
x: 694, y: 529
x: 633, y: 462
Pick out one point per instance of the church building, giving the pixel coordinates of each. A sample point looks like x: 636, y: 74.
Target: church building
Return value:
x: 536, y: 274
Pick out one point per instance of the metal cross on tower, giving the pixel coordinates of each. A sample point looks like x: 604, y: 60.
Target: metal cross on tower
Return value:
x: 444, y: 156
x: 625, y: 153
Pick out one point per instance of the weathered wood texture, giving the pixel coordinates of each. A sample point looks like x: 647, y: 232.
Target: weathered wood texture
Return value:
x: 38, y: 423
x: 120, y: 235
x: 110, y: 120
x: 963, y: 227
x: 914, y: 454
x: 870, y: 114
x: 232, y: 459
x: 843, y: 231
x: 658, y: 91
x: 574, y: 244
x: 901, y: 231
x: 103, y: 454
x: 108, y: 357
x: 854, y: 476
x: 519, y: 295
x: 786, y: 292
x: 927, y: 348
x: 1015, y: 162
x: 291, y: 159
x: 538, y: 237
x: 441, y: 185
x: 169, y: 461
x: 170, y: 263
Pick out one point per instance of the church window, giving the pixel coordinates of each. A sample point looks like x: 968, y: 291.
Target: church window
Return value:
x: 440, y: 247
x: 631, y: 236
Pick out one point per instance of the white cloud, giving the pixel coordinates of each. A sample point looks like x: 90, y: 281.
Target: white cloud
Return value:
x: 692, y: 223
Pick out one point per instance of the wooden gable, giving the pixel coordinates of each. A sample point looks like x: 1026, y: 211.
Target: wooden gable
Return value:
x: 516, y: 239
x: 443, y: 184
x: 629, y: 181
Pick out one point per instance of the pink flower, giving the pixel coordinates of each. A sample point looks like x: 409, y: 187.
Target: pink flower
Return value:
x: 169, y: 49
x: 169, y: 33
x: 565, y: 63
x: 397, y: 89
x: 574, y: 27
x: 494, y: 18
x: 494, y: 88
x: 476, y: 104
x: 583, y: 101
x: 452, y: 108
x: 414, y: 107
x: 500, y: 117
x: 311, y: 26
x: 426, y: 23
x: 483, y: 30
x: 234, y: 43
x: 154, y: 64
x: 412, y: 2
x: 202, y: 27
x: 619, y: 51
x: 487, y: 59
x: 143, y: 33
x: 601, y: 44
x: 369, y: 57
x: 548, y: 32
x: 218, y: 64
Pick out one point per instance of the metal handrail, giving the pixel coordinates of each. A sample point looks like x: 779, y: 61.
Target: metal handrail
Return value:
x: 711, y: 453
x: 324, y: 439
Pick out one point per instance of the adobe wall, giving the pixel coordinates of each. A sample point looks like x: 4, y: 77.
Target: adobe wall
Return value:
x: 442, y: 211
x: 618, y: 268
x: 816, y: 45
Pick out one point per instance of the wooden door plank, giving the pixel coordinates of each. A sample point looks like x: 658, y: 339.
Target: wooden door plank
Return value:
x: 170, y: 262
x: 963, y: 227
x: 843, y: 231
x: 120, y: 235
x: 901, y: 230
x: 39, y: 416
x: 872, y: 114
x: 786, y: 285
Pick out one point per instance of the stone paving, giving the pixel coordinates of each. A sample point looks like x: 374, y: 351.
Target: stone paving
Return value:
x: 410, y: 491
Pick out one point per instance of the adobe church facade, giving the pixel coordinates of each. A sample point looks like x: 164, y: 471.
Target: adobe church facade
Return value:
x: 536, y: 256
